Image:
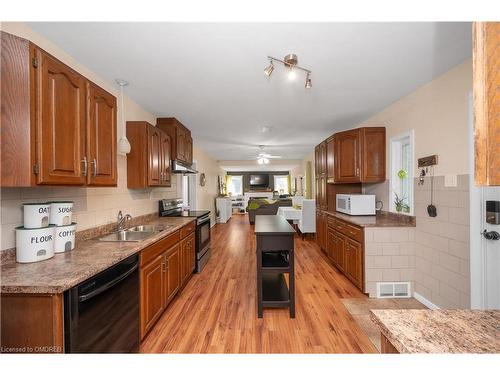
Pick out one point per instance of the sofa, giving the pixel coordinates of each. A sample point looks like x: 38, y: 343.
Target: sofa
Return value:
x: 265, y: 207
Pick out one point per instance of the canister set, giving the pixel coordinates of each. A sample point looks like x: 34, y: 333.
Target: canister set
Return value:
x: 48, y: 229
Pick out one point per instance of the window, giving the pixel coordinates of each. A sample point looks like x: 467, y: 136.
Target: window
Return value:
x: 234, y: 185
x: 185, y: 190
x: 401, y: 178
x: 281, y: 184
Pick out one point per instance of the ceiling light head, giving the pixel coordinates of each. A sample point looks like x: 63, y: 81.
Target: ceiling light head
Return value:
x: 266, y: 129
x: 292, y: 74
x: 269, y: 69
x: 121, y: 82
x: 260, y: 161
x: 266, y: 160
x: 308, y: 84
x: 291, y: 60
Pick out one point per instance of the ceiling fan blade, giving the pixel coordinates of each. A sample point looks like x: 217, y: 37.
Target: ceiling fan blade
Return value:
x: 274, y: 157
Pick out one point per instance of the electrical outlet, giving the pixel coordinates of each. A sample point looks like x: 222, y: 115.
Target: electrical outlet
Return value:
x: 450, y: 180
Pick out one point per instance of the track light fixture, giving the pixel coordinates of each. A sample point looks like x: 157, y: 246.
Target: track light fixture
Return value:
x: 269, y: 69
x: 290, y: 61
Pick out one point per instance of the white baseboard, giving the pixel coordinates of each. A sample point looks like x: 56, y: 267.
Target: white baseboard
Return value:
x: 420, y: 298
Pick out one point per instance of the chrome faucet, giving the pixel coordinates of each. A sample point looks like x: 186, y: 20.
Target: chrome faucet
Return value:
x: 121, y: 220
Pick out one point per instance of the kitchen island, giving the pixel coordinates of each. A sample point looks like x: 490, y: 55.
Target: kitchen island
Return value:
x: 438, y: 331
x: 275, y: 258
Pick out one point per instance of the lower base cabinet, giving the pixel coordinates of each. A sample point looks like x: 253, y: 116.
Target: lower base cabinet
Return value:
x: 344, y: 247
x: 166, y: 267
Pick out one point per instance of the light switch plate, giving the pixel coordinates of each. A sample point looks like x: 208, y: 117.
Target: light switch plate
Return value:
x: 450, y: 180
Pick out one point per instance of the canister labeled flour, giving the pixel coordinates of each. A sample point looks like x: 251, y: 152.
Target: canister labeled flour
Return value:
x: 33, y: 245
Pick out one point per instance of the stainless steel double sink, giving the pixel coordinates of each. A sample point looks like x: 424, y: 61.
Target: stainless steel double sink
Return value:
x: 134, y: 234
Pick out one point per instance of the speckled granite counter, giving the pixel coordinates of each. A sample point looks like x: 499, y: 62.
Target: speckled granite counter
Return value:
x: 66, y: 270
x: 381, y: 219
x: 440, y: 331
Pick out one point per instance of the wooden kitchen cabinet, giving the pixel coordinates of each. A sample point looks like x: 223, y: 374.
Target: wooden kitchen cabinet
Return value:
x: 188, y: 258
x: 182, y: 142
x: 330, y: 159
x: 321, y: 230
x: 148, y: 163
x: 172, y: 273
x: 55, y: 122
x: 360, y: 155
x: 486, y: 88
x: 101, y: 137
x: 152, y: 281
x: 353, y: 262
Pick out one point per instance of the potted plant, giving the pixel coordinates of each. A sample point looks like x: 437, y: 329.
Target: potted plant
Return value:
x: 400, y: 204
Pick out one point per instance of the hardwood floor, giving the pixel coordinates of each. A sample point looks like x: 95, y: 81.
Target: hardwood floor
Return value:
x: 217, y: 310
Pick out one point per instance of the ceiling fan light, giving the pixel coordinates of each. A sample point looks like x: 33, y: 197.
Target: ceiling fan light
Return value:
x: 308, y: 84
x: 266, y: 160
x: 260, y: 161
x: 269, y: 69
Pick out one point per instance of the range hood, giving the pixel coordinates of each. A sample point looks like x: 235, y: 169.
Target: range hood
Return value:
x: 181, y: 167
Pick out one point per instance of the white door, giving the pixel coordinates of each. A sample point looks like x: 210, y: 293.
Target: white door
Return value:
x: 484, y: 254
x: 491, y: 250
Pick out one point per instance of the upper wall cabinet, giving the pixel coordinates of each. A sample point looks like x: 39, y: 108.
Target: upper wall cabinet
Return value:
x: 148, y: 163
x: 58, y: 128
x: 182, y: 142
x: 359, y: 155
x: 486, y: 89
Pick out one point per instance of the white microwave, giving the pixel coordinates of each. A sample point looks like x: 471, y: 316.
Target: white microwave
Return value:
x: 356, y: 204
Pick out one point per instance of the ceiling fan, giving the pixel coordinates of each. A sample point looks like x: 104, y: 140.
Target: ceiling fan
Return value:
x: 264, y: 157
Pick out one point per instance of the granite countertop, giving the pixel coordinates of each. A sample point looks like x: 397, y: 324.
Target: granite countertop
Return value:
x: 381, y: 219
x: 65, y: 270
x: 440, y: 331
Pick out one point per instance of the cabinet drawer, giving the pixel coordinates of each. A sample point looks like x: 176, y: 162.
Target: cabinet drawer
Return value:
x: 275, y: 243
x: 188, y: 228
x: 154, y: 250
x: 331, y: 222
x: 351, y: 231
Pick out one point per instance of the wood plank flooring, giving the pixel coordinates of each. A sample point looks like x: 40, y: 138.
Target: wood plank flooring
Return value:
x: 217, y: 310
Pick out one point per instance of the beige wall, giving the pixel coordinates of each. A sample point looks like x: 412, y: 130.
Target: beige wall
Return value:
x: 438, y: 114
x: 205, y: 195
x: 93, y: 206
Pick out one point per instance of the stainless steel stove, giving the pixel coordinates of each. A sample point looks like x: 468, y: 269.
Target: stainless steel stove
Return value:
x: 173, y: 208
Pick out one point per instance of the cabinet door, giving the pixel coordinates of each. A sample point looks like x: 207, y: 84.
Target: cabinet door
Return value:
x: 317, y: 168
x: 173, y: 264
x: 330, y: 246
x: 347, y: 163
x: 322, y: 158
x: 166, y: 171
x: 486, y: 88
x: 323, y: 194
x: 181, y: 144
x: 189, y: 149
x: 192, y: 253
x: 152, y: 293
x: 330, y: 158
x: 339, y: 250
x: 373, y: 154
x: 317, y: 191
x: 353, y: 265
x: 101, y: 136
x: 154, y: 150
x: 60, y: 122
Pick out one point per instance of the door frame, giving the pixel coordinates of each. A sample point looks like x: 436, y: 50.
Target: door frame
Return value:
x: 477, y: 247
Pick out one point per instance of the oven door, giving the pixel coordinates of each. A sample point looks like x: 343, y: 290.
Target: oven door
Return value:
x: 202, y: 236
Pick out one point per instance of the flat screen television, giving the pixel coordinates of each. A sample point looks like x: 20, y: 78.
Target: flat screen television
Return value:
x: 259, y: 180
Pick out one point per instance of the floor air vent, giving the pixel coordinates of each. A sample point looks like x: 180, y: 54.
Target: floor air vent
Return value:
x: 393, y: 290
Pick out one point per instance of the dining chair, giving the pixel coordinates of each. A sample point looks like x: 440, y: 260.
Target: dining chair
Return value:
x: 307, y: 223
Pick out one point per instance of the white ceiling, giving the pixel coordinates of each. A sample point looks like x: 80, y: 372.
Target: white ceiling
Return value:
x: 210, y: 76
x: 251, y: 165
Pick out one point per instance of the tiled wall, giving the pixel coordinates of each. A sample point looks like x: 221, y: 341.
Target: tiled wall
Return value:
x: 93, y: 206
x: 389, y: 256
x: 441, y: 248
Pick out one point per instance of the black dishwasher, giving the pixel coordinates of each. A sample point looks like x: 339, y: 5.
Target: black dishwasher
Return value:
x: 101, y: 315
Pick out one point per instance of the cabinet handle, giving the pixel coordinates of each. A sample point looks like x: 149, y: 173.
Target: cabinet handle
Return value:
x: 94, y: 167
x: 357, y: 171
x: 85, y: 165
